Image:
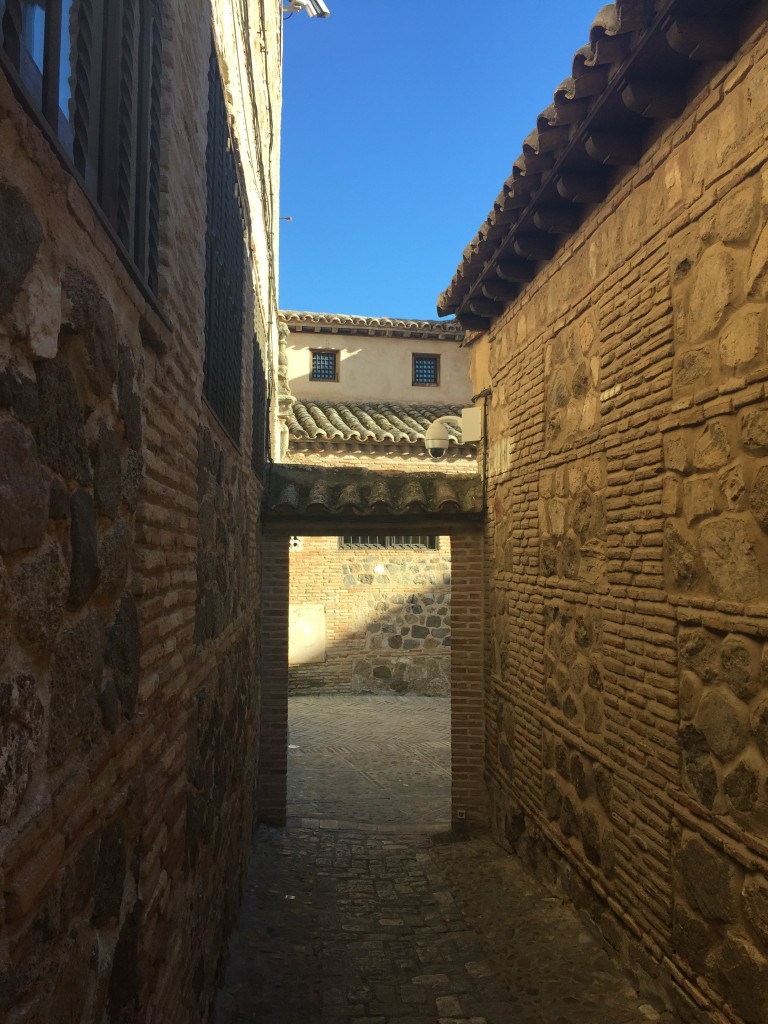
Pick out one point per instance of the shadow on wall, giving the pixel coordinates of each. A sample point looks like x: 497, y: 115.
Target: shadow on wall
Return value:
x: 373, y: 621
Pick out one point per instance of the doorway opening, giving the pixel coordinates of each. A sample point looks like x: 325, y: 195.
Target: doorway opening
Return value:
x: 369, y: 681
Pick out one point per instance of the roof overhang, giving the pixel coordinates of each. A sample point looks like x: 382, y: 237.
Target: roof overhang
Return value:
x: 319, y: 500
x: 635, y: 70
x: 373, y: 326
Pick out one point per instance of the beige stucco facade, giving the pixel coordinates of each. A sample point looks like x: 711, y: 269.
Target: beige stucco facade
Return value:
x: 378, y: 369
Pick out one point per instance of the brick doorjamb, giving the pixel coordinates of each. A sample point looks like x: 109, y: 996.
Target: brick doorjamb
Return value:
x: 468, y: 791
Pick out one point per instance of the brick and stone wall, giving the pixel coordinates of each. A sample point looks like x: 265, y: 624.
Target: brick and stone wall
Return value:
x: 129, y: 578
x: 386, y: 615
x: 627, y: 558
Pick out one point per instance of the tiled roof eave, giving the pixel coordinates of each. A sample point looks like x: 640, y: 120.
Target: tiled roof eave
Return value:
x: 299, y: 322
x: 634, y: 70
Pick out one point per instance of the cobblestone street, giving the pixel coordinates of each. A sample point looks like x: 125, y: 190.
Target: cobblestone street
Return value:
x: 366, y: 908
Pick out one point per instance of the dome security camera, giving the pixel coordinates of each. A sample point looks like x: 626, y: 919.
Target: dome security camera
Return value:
x: 436, y: 440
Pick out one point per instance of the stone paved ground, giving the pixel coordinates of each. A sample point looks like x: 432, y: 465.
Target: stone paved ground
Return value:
x: 367, y: 909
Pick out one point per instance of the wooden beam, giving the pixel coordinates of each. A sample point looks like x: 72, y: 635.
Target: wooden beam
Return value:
x: 472, y: 322
x: 501, y: 291
x: 556, y: 220
x: 518, y: 271
x: 704, y: 38
x: 614, y: 148
x: 652, y: 98
x: 534, y: 247
x: 485, y: 307
x: 582, y: 188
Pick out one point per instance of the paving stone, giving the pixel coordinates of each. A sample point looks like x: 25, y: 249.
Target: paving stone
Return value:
x: 380, y: 918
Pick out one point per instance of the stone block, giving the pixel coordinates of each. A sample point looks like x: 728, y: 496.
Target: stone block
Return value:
x: 20, y: 241
x: 738, y: 212
x: 128, y: 401
x: 724, y: 721
x: 699, y: 499
x: 699, y: 650
x: 680, y: 558
x: 712, y: 291
x: 754, y: 430
x: 710, y: 881
x: 758, y: 498
x: 757, y: 276
x: 759, y: 719
x: 729, y: 558
x: 743, y: 978
x: 88, y: 315
x: 84, y: 569
x: 693, y: 368
x: 76, y: 676
x: 114, y: 556
x: 40, y: 590
x: 18, y: 394
x: 733, y: 486
x: 21, y: 725
x: 740, y: 666
x: 712, y: 448
x: 742, y: 786
x: 754, y: 900
x: 60, y: 435
x: 24, y: 490
x: 692, y: 937
x: 110, y: 875
x: 105, y: 459
x: 675, y: 452
x: 742, y: 339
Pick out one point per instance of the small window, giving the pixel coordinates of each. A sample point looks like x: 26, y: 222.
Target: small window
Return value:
x: 370, y: 540
x: 426, y: 371
x: 325, y: 365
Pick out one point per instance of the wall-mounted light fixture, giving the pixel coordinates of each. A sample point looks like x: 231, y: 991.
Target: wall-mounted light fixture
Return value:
x: 314, y: 8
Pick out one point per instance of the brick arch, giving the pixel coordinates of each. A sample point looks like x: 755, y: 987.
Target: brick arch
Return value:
x: 468, y: 791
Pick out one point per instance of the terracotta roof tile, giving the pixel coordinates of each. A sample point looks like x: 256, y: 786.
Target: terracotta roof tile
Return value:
x: 597, y: 120
x: 366, y: 422
x: 342, y: 323
x: 312, y: 491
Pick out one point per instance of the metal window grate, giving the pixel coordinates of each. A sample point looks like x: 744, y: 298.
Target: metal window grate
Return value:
x: 371, y: 540
x: 224, y: 266
x: 92, y: 71
x: 426, y: 370
x: 325, y: 366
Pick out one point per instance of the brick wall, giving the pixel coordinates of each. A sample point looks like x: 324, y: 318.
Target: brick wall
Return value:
x: 627, y: 559
x: 129, y: 710
x: 387, y: 616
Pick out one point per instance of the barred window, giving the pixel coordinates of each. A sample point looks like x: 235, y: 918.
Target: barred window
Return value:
x: 92, y: 71
x: 370, y: 540
x: 426, y: 370
x: 224, y: 266
x: 325, y: 365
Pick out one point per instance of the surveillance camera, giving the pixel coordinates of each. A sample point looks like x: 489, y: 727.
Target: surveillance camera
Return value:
x: 437, y: 440
x: 317, y: 8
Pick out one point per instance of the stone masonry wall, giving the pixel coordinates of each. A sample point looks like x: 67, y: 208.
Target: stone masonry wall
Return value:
x: 129, y: 586
x: 387, y: 613
x: 627, y: 559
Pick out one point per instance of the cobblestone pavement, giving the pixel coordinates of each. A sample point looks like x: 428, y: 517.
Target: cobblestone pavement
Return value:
x: 365, y: 920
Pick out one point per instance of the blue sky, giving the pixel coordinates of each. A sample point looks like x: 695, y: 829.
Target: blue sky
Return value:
x: 401, y: 121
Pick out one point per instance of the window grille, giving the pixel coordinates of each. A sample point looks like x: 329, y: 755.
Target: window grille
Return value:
x: 93, y: 71
x: 426, y: 370
x: 370, y: 540
x: 325, y: 365
x: 224, y: 265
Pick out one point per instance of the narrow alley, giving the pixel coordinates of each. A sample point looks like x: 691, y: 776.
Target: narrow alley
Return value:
x: 367, y: 908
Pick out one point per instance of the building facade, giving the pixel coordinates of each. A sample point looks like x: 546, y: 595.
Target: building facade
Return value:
x: 139, y: 146
x: 618, y: 294
x: 371, y: 612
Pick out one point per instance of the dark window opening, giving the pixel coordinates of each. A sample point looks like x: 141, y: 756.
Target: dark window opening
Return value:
x: 325, y: 365
x: 426, y: 370
x: 93, y: 72
x: 370, y: 540
x: 224, y: 266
